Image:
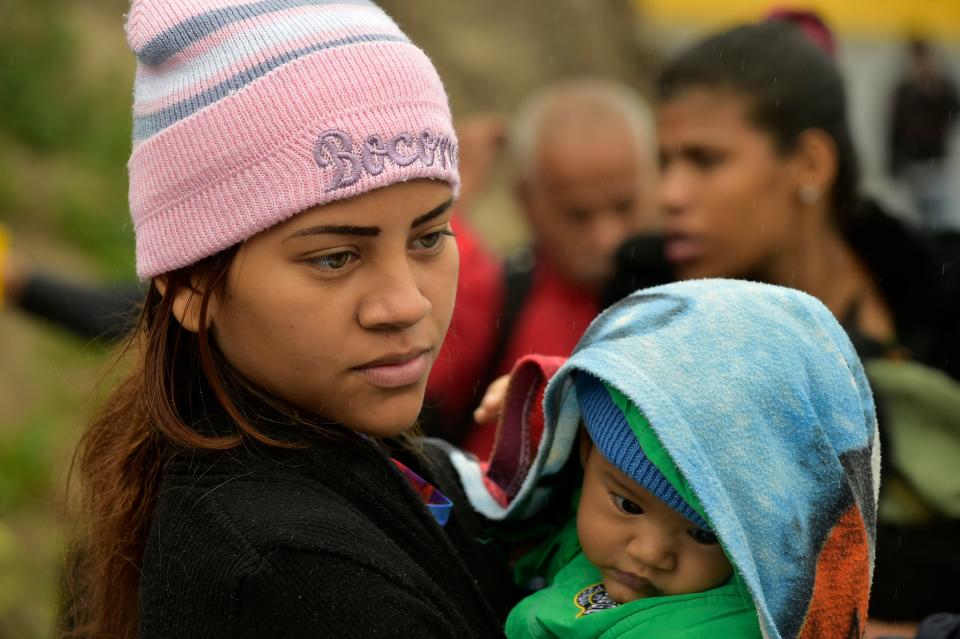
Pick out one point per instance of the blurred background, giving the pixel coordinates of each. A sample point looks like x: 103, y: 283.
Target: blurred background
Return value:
x: 65, y: 94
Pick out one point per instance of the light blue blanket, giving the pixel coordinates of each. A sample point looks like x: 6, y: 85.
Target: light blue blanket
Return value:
x: 760, y: 399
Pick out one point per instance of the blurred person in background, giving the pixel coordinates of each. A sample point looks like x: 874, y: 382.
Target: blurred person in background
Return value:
x: 90, y: 310
x: 584, y: 174
x: 924, y: 111
x: 810, y: 23
x: 759, y: 180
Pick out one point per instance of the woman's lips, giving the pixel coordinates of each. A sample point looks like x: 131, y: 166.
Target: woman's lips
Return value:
x: 682, y: 248
x: 397, y: 374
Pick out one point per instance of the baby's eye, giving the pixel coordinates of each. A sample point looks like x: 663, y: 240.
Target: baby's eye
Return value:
x: 702, y: 536
x: 333, y: 261
x: 626, y: 506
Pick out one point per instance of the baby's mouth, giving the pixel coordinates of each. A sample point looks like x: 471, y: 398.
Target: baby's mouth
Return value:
x: 640, y: 585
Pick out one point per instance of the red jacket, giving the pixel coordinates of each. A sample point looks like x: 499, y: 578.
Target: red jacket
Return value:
x: 553, y: 317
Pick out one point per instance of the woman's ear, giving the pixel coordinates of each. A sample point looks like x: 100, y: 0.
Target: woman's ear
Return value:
x: 816, y: 165
x: 186, y: 304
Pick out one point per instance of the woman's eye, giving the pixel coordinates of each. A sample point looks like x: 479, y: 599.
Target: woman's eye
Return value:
x: 577, y: 215
x: 624, y: 207
x: 333, y: 261
x: 702, y: 536
x: 707, y: 160
x: 431, y: 240
x: 626, y: 506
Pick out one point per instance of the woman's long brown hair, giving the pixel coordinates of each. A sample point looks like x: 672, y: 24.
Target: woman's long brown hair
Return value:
x: 120, y: 457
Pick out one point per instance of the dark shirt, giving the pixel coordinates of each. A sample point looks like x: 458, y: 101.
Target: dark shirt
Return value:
x: 324, y: 541
x: 923, y: 115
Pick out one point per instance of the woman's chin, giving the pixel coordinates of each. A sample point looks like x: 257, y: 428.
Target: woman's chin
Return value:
x: 385, y: 430
x: 389, y: 419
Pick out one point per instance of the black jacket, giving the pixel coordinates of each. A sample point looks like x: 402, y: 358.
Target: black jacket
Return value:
x: 919, y: 276
x: 326, y: 541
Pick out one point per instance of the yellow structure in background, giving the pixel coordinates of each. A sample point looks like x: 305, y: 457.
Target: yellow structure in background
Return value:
x: 934, y: 19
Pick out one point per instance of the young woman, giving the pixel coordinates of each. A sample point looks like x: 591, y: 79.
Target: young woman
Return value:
x: 759, y: 180
x: 255, y: 474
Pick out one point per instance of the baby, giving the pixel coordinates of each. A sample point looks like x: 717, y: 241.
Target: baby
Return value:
x: 639, y: 534
x: 727, y: 437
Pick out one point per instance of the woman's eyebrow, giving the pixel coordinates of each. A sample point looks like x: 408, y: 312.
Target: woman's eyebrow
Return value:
x: 366, y: 231
x: 426, y: 217
x: 328, y: 229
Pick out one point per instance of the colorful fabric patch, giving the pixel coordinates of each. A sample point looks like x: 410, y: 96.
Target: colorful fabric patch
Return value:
x: 436, y: 502
x: 593, y: 599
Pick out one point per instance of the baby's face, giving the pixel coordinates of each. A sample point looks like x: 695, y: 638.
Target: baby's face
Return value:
x: 642, y: 547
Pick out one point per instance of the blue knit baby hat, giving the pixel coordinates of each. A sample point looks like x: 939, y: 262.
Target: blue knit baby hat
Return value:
x: 612, y: 435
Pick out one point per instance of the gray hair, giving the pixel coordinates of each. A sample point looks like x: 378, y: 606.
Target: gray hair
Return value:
x: 582, y: 98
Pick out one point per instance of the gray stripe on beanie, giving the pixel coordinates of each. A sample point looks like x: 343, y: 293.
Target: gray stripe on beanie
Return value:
x: 144, y: 126
x: 178, y: 37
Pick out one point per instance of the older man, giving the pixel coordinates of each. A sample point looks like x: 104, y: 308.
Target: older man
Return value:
x: 584, y: 174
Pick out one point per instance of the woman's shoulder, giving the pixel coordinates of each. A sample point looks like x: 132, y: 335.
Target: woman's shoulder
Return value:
x: 918, y: 275
x: 911, y: 267
x: 231, y: 528
x: 222, y: 570
x: 262, y: 500
x: 298, y: 541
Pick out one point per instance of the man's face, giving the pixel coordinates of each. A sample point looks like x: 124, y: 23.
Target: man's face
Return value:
x: 584, y: 197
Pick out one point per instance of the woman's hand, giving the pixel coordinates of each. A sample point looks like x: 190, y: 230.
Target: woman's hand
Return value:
x: 491, y: 406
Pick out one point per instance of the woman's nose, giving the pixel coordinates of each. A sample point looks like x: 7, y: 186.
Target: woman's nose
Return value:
x: 674, y: 190
x: 396, y: 302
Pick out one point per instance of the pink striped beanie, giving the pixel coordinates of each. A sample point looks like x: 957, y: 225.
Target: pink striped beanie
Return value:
x: 248, y: 112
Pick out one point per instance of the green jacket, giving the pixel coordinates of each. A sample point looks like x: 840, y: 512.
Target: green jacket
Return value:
x: 575, y: 605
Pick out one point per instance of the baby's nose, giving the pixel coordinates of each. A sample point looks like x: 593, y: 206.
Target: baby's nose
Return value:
x: 653, y: 549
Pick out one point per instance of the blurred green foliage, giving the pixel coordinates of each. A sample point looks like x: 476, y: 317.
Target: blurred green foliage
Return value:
x: 65, y: 83
x: 65, y: 79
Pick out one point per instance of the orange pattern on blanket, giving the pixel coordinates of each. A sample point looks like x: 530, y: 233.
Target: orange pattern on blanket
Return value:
x: 838, y: 607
